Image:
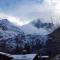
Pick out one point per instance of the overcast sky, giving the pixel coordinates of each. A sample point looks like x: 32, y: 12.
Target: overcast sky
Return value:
x: 22, y: 12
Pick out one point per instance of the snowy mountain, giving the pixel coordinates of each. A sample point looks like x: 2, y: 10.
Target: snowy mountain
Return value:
x: 13, y: 38
x: 37, y: 27
x: 8, y: 30
x: 8, y: 26
x: 9, y: 34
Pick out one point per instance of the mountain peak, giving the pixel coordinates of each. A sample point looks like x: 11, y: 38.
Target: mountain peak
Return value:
x: 37, y: 23
x: 5, y: 24
x: 4, y: 21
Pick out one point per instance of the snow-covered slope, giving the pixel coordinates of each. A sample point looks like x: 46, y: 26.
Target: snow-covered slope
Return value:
x: 8, y: 36
x: 38, y: 28
x: 30, y: 29
x: 8, y: 30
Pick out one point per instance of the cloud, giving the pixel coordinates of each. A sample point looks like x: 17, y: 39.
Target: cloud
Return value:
x: 28, y: 10
x: 14, y: 20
